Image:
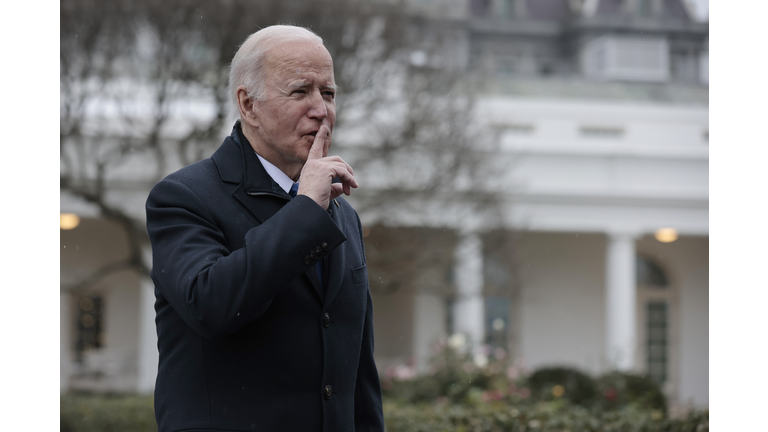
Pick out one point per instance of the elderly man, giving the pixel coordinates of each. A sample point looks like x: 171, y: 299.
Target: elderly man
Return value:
x: 264, y: 315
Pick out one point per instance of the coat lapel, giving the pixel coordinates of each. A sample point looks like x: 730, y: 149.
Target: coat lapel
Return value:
x: 262, y: 205
x: 256, y: 191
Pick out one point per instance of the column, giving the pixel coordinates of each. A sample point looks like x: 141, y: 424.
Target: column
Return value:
x: 468, y: 311
x: 147, y: 354
x: 428, y: 326
x: 620, y: 302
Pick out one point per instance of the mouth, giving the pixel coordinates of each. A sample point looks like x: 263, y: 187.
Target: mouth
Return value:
x: 312, y: 134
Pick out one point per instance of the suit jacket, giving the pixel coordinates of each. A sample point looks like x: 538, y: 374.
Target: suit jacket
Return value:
x: 248, y: 338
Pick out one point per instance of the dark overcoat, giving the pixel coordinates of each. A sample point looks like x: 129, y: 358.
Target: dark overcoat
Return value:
x: 249, y: 339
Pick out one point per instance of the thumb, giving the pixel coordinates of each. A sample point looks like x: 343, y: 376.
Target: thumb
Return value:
x: 316, y: 151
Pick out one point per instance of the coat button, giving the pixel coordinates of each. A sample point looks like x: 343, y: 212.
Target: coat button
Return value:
x: 325, y: 246
x: 326, y: 320
x: 328, y: 392
x: 318, y: 250
x: 313, y: 255
x: 306, y: 260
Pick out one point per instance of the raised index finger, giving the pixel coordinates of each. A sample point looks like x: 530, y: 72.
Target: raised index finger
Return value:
x: 316, y: 151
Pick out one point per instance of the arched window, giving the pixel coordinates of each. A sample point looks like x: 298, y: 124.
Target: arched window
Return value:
x: 649, y: 274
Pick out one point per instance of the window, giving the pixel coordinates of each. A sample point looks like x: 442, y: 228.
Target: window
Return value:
x: 650, y: 274
x: 601, y: 132
x: 505, y: 66
x: 644, y: 7
x: 656, y: 343
x: 626, y: 58
x: 480, y: 8
x: 520, y: 128
x: 655, y: 319
x: 685, y: 65
x: 496, y: 321
x: 90, y: 325
x: 514, y: 128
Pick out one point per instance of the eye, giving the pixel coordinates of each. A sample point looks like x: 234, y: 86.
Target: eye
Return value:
x: 329, y: 94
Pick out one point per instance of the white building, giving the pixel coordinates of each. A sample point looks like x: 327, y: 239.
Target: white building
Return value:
x: 602, y: 109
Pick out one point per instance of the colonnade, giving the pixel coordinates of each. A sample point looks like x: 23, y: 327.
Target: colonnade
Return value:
x: 620, y: 337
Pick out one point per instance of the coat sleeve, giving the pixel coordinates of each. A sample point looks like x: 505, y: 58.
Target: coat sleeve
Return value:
x: 216, y: 290
x: 369, y: 415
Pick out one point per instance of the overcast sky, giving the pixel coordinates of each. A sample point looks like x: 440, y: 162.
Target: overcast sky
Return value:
x: 702, y: 8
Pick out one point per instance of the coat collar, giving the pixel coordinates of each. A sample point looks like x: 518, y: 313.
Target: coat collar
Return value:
x: 237, y: 163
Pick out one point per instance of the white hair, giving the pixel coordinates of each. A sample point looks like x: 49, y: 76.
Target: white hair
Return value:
x: 247, y: 66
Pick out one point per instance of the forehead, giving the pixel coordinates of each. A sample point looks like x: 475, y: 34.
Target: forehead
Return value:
x: 289, y: 60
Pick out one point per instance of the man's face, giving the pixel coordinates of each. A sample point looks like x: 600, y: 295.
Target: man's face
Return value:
x: 300, y: 97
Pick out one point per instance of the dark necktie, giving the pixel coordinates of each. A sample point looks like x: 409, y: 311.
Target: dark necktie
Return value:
x: 319, y: 265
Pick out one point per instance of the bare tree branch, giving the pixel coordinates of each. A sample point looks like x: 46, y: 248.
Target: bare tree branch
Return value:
x: 144, y: 92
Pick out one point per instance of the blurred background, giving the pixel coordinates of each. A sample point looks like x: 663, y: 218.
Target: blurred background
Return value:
x: 534, y: 178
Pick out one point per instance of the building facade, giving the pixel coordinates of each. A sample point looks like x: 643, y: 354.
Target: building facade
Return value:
x: 597, y: 254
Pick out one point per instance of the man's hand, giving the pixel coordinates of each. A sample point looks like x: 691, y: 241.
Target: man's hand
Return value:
x: 315, y: 180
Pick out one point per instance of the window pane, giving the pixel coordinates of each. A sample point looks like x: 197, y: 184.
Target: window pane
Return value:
x: 496, y: 321
x: 90, y: 325
x: 656, y: 340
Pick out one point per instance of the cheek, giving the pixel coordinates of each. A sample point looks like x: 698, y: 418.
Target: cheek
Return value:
x: 332, y: 113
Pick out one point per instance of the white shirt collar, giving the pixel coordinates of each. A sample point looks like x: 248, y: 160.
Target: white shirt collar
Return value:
x: 278, y: 176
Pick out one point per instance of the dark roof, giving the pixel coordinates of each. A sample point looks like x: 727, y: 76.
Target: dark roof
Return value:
x: 559, y: 10
x: 548, y: 10
x: 676, y: 9
x: 673, y: 9
x: 609, y: 7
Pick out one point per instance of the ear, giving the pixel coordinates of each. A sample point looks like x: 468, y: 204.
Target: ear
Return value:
x: 247, y: 107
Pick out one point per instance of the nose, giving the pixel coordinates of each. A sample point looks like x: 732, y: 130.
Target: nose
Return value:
x: 317, y: 108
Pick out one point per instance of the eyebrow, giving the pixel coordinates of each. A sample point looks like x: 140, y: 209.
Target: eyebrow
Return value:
x: 303, y: 84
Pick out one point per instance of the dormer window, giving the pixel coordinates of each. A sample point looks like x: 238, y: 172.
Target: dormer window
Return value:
x: 626, y: 58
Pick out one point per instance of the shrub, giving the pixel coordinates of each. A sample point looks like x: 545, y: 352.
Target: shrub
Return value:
x: 458, y: 377
x: 454, y: 376
x: 107, y: 413
x: 618, y: 389
x: 559, y: 415
x: 86, y: 413
x: 554, y: 382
